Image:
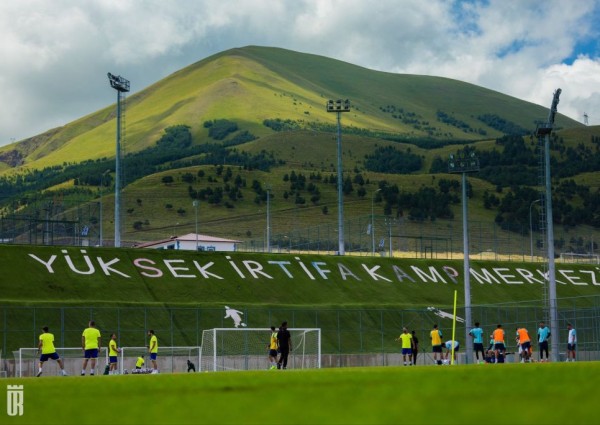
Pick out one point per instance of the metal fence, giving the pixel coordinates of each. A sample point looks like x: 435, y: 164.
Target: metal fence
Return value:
x: 364, y: 235
x: 441, y: 239
x: 367, y: 335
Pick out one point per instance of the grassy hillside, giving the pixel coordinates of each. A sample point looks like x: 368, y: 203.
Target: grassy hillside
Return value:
x: 255, y: 83
x: 306, y: 153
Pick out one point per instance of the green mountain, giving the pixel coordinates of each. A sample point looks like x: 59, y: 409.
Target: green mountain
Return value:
x: 251, y: 84
x: 228, y: 127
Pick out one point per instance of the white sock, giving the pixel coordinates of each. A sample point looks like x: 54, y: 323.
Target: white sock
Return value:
x: 92, y: 371
x: 83, y: 371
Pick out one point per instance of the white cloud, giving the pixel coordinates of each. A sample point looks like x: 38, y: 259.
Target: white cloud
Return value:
x: 56, y: 54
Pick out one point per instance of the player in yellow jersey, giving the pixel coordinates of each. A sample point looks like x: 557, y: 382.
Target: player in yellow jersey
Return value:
x: 273, y: 344
x: 407, y: 346
x: 436, y: 344
x: 46, y: 346
x: 91, y: 343
x: 139, y: 363
x: 113, y: 353
x: 153, y: 350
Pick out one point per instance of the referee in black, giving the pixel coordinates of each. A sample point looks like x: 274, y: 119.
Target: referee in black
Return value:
x: 284, y: 339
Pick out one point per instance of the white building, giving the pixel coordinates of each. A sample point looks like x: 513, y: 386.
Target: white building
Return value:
x: 191, y: 242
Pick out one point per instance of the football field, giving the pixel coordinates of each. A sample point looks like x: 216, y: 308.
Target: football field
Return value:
x: 478, y: 394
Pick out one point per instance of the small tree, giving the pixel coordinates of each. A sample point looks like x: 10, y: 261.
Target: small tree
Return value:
x: 188, y: 178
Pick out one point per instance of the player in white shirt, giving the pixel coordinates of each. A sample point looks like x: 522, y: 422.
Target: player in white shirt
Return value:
x: 571, y: 343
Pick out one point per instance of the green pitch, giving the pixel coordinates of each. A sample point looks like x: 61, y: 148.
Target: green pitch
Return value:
x: 481, y: 394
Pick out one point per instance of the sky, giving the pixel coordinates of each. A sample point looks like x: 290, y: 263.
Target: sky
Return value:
x: 56, y: 53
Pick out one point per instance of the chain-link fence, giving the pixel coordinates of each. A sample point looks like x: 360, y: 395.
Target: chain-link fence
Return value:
x: 54, y: 222
x: 441, y: 239
x: 349, y: 336
x: 81, y: 225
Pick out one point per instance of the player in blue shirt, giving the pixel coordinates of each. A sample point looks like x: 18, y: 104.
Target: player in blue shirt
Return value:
x: 543, y: 334
x: 477, y: 335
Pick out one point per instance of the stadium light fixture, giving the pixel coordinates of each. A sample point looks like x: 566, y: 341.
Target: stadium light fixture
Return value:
x: 338, y: 107
x: 463, y: 163
x: 121, y: 85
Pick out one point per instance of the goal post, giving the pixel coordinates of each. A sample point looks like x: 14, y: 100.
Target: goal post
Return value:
x: 27, y: 361
x: 226, y: 349
x: 169, y: 359
x: 3, y: 372
x: 573, y: 257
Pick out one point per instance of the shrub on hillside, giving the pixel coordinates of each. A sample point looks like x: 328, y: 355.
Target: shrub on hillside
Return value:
x: 220, y: 129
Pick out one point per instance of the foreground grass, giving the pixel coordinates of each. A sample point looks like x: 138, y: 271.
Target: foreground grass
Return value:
x: 442, y: 395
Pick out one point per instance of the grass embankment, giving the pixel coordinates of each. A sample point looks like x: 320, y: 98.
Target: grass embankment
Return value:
x: 55, y: 276
x: 360, y: 311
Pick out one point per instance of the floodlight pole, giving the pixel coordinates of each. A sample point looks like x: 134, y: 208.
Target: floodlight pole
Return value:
x: 121, y: 85
x: 465, y: 163
x: 339, y: 106
x: 545, y: 130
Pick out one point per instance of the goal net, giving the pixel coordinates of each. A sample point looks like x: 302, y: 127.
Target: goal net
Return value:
x: 248, y: 349
x: 3, y: 373
x: 27, y: 361
x: 169, y: 359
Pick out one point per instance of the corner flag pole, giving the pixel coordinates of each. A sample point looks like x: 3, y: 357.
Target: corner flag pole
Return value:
x: 453, y: 328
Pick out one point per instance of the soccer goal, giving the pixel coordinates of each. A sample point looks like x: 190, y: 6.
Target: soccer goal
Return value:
x: 572, y: 257
x: 169, y: 359
x: 247, y: 349
x: 27, y: 361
